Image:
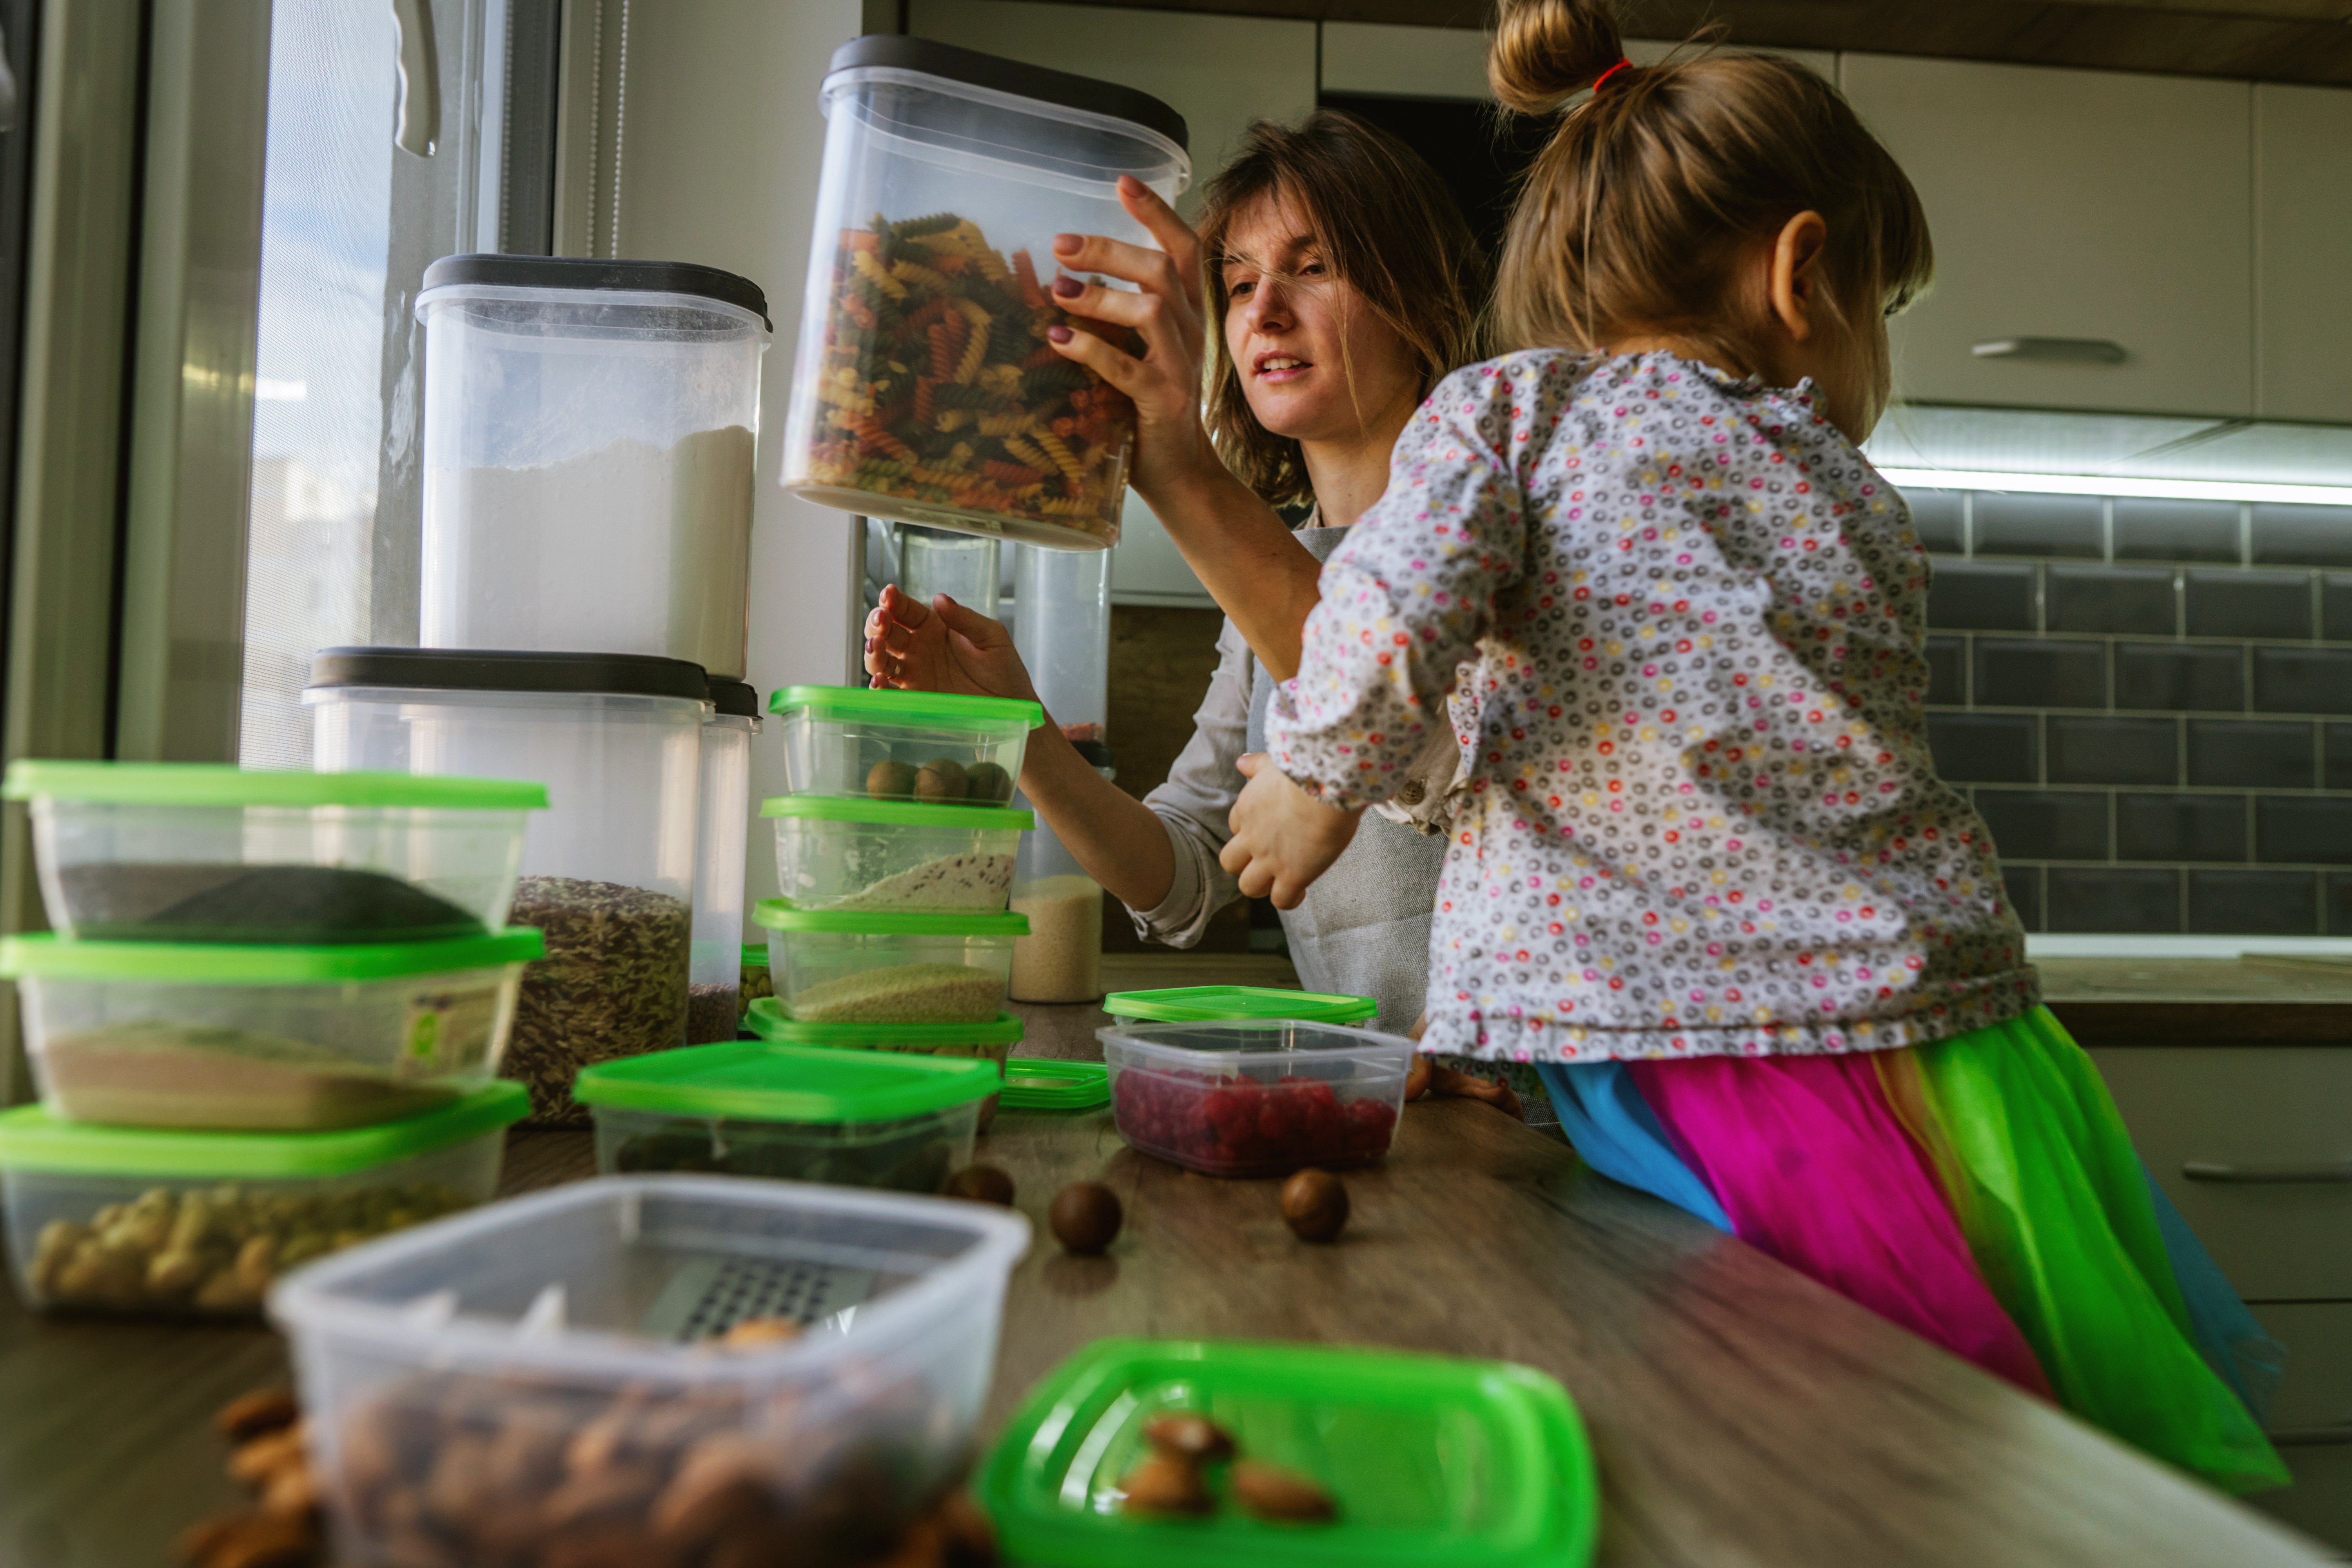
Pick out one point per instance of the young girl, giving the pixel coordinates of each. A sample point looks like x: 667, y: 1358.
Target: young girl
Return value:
x: 1705, y: 871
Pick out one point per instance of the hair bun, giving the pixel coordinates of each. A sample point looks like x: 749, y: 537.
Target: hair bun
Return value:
x: 1545, y: 51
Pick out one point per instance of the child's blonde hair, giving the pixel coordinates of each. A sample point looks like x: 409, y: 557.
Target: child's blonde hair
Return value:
x: 1635, y: 215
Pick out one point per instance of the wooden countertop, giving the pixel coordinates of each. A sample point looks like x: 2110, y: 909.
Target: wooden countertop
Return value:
x: 2256, y: 1000
x: 1740, y: 1413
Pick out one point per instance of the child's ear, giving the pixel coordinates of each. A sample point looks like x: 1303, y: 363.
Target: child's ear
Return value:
x: 1795, y: 285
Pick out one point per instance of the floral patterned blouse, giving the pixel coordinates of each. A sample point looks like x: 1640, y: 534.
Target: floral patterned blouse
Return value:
x: 1701, y: 818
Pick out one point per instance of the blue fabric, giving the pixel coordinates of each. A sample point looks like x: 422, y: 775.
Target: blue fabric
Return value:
x: 1612, y: 1128
x: 2232, y: 1341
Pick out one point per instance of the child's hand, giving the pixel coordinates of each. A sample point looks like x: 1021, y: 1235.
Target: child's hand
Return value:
x: 942, y: 646
x: 1282, y: 838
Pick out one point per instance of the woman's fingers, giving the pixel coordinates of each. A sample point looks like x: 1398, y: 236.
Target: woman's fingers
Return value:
x: 1155, y: 271
x: 1175, y: 236
x: 1123, y: 370
x: 1147, y: 313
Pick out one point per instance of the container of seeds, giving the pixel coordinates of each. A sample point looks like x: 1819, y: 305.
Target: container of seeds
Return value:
x: 193, y: 852
x: 863, y: 967
x: 701, y: 1369
x: 1256, y: 1097
x: 722, y: 827
x: 175, y: 1223
x: 608, y: 870
x: 900, y: 855
x: 928, y: 747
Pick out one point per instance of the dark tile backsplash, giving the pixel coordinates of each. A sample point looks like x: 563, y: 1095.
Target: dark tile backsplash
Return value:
x: 2040, y: 525
x: 2264, y: 754
x: 2224, y: 603
x: 1940, y: 518
x: 2046, y: 825
x: 2180, y: 677
x: 1982, y: 595
x: 2138, y: 600
x: 2176, y: 531
x: 2179, y: 827
x: 1947, y: 669
x: 1984, y: 748
x: 2270, y: 903
x: 2303, y: 535
x: 2018, y: 672
x: 2087, y: 750
x: 2303, y: 679
x: 2105, y: 898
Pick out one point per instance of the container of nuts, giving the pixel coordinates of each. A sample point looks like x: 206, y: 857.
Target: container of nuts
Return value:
x: 176, y: 1222
x: 652, y: 1370
x: 931, y: 747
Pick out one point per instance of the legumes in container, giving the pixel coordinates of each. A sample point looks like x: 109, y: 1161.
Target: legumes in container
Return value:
x: 194, y: 852
x: 1255, y: 1098
x: 860, y: 967
x: 174, y: 1223
x: 926, y: 389
x: 1207, y: 1004
x: 289, y: 1038
x: 894, y: 854
x: 722, y: 828
x: 602, y: 1307
x: 933, y: 748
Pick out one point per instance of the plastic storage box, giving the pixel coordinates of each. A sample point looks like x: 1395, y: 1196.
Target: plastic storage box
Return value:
x: 291, y: 1038
x: 722, y: 829
x: 860, y: 968
x: 933, y: 748
x: 1255, y: 1098
x: 793, y: 1113
x: 1036, y: 1083
x: 193, y: 852
x: 990, y: 1042
x: 173, y: 1223
x: 947, y: 175
x: 895, y: 855
x: 1207, y: 1004
x: 599, y: 1306
x: 754, y: 974
x: 589, y: 428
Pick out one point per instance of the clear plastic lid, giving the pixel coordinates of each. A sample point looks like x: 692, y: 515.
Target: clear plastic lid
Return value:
x: 767, y: 1020
x: 1202, y: 1004
x: 1226, y: 1045
x: 930, y: 708
x: 758, y: 1080
x: 33, y: 1139
x: 1035, y: 1084
x: 50, y: 957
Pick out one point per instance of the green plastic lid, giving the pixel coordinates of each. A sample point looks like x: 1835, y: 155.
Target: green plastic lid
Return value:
x: 755, y: 955
x: 51, y: 957
x: 942, y: 709
x: 1434, y: 1460
x: 897, y: 812
x: 775, y: 914
x: 214, y: 783
x: 1204, y: 1003
x: 32, y: 1140
x: 760, y: 1082
x: 767, y: 1020
x: 1036, y: 1083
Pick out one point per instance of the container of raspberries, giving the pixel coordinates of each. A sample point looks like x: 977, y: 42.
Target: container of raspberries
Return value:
x: 1256, y: 1097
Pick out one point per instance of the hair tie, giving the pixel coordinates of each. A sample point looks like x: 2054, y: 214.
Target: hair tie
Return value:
x: 1602, y: 79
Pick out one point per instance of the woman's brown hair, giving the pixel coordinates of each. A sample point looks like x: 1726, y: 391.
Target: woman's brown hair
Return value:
x: 1634, y: 217
x: 1387, y: 226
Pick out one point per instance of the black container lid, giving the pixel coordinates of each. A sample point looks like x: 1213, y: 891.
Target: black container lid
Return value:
x: 585, y: 272
x: 736, y: 697
x: 902, y: 53
x: 474, y: 669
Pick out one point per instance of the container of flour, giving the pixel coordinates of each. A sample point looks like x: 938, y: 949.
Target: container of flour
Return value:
x: 898, y: 854
x: 589, y: 429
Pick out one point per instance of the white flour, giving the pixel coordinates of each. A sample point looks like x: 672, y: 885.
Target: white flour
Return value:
x: 949, y: 882
x: 1061, y: 958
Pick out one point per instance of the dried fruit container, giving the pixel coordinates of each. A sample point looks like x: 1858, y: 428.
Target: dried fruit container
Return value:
x: 925, y: 388
x: 285, y: 1039
x: 722, y: 829
x: 1248, y: 1098
x: 933, y: 748
x: 600, y: 1307
x: 194, y: 852
x: 1207, y: 1004
x: 177, y: 1223
x: 895, y: 855
x: 791, y: 1113
x: 858, y: 967
x: 990, y: 1042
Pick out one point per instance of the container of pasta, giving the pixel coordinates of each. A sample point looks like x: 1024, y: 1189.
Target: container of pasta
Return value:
x: 926, y: 388
x: 894, y: 854
x: 931, y: 748
x: 859, y: 967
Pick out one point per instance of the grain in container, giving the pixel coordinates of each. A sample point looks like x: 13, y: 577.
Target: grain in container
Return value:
x: 606, y: 1307
x: 935, y: 748
x: 1255, y: 1098
x: 174, y: 1223
x: 902, y: 855
x: 868, y: 967
x: 607, y: 869
x: 589, y: 429
x: 722, y: 829
x: 196, y: 852
x: 925, y: 388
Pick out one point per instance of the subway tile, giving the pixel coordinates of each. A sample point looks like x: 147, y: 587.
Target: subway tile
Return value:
x: 2303, y: 535
x: 1972, y: 595
x: 2303, y: 827
x: 2023, y: 886
x: 2103, y: 899
x: 2046, y: 824
x: 2303, y: 679
x: 2252, y: 753
x: 2176, y: 530
x: 2336, y: 606
x: 2181, y: 827
x: 1936, y: 517
x: 2037, y: 525
x: 2109, y: 599
x: 2171, y: 675
x: 2014, y: 673
x: 2335, y: 757
x: 2335, y: 899
x: 1947, y: 669
x: 2248, y: 604
x: 1983, y: 748
x: 2254, y: 903
x: 2114, y: 751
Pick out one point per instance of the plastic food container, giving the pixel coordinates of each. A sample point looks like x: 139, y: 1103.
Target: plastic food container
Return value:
x: 1257, y: 1098
x: 722, y: 828
x: 900, y: 855
x: 173, y: 1223
x: 792, y: 1114
x: 589, y: 428
x: 968, y: 569
x: 1036, y: 1083
x: 754, y: 976
x: 608, y: 870
x: 192, y: 852
x: 599, y: 1306
x: 289, y: 1038
x: 990, y: 1042
x: 1433, y: 1461
x: 930, y: 748
x: 947, y: 175
x: 866, y: 968
x: 1204, y: 1003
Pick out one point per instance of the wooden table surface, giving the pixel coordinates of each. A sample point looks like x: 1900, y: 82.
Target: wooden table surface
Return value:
x: 2259, y: 999
x: 1741, y: 1414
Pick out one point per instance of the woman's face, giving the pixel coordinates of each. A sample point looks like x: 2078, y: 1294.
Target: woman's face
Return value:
x: 1299, y: 335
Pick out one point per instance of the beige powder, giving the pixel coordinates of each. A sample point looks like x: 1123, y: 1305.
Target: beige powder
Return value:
x: 1061, y: 958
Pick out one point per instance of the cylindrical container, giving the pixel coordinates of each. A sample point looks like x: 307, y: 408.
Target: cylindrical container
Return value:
x: 608, y: 870
x: 1061, y: 958
x: 589, y: 429
x: 867, y: 967
x: 722, y: 828
x: 962, y: 567
x: 1249, y: 1097
x: 947, y: 175
x: 1214, y: 1003
x: 894, y: 854
x: 173, y: 1223
x: 935, y: 748
x: 1061, y: 627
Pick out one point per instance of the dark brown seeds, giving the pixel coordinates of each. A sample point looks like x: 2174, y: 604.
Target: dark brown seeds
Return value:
x: 1314, y: 1204
x: 1277, y: 1494
x: 1195, y: 1438
x: 1086, y: 1216
x: 982, y: 1184
x: 614, y: 983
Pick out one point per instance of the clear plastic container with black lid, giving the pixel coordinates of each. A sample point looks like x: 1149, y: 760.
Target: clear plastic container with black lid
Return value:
x: 722, y: 831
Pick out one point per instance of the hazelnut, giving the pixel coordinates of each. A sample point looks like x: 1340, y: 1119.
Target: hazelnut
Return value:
x: 1181, y: 1434
x: 264, y: 1410
x: 985, y: 782
x: 982, y: 1184
x: 1313, y: 1204
x: 942, y: 779
x: 1277, y: 1494
x: 1165, y: 1486
x: 760, y: 1334
x: 1086, y: 1216
x: 890, y: 779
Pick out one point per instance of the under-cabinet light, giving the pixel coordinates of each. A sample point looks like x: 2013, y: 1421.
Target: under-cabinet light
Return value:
x: 2088, y: 484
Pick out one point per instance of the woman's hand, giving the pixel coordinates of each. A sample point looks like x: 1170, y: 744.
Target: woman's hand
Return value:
x: 1282, y: 838
x: 942, y: 646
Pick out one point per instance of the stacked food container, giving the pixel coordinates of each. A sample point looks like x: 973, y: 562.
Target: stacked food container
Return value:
x: 265, y: 1025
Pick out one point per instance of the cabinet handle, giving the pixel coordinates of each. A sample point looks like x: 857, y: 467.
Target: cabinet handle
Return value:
x: 2215, y: 1171
x: 2056, y: 350
x: 2332, y: 1437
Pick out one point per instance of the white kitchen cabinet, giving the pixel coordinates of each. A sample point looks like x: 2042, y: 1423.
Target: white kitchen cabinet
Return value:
x: 2073, y: 209
x: 2312, y: 1417
x: 2303, y: 252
